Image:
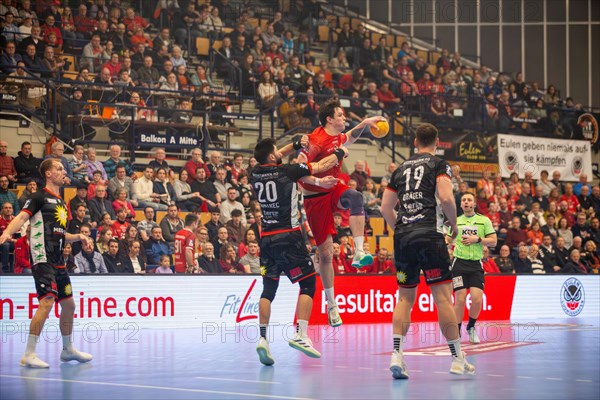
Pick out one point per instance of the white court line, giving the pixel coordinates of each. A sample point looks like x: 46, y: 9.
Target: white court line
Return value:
x: 415, y: 370
x: 583, y: 380
x: 440, y: 372
x: 554, y: 379
x: 365, y: 368
x: 176, y: 389
x: 495, y: 376
x: 210, y: 378
x: 342, y: 366
x: 525, y: 377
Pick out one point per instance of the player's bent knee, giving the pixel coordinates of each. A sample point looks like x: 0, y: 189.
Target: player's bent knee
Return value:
x: 269, y: 288
x: 353, y: 200
x: 308, y: 286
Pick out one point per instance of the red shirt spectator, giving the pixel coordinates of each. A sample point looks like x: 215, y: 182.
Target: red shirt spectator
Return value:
x: 572, y: 202
x: 114, y: 66
x: 490, y: 266
x: 83, y: 24
x: 22, y: 255
x: 132, y: 21
x: 341, y: 266
x: 47, y: 28
x: 7, y: 164
x: 119, y: 228
x: 381, y: 264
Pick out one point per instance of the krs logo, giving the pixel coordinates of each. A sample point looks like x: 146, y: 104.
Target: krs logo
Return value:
x: 243, y: 308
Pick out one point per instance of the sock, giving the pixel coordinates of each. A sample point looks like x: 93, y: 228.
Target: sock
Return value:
x: 398, y: 342
x: 330, y: 296
x: 359, y: 242
x: 302, y: 328
x: 263, y: 330
x: 67, y: 342
x: 31, y: 343
x: 454, y: 346
x: 471, y: 323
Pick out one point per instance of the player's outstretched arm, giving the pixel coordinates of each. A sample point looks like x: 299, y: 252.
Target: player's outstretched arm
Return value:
x: 297, y: 144
x: 329, y: 162
x: 354, y: 133
x: 14, y: 226
x: 388, y: 202
x: 327, y: 182
x: 446, y: 197
x: 75, y: 237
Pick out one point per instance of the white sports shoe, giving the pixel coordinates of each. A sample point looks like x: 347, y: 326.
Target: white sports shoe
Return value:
x: 333, y: 316
x: 361, y: 259
x: 31, y: 360
x: 461, y: 366
x: 473, y: 337
x: 74, y: 355
x: 398, y: 366
x: 264, y: 353
x: 305, y: 345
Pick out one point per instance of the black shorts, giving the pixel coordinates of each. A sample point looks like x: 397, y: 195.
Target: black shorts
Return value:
x: 467, y: 274
x: 287, y: 253
x: 418, y: 250
x: 52, y: 281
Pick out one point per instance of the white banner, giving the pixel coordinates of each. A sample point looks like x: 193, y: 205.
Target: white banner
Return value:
x: 521, y: 154
x: 179, y: 301
x: 556, y: 296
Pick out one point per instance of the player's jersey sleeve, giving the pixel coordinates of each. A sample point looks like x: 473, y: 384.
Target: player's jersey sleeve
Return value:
x: 189, y: 241
x: 313, y: 151
x: 488, y: 227
x: 443, y: 169
x: 34, y: 203
x: 393, y: 183
x: 297, y: 171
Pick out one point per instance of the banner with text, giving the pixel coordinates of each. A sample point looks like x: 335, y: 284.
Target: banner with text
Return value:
x: 523, y: 154
x: 472, y: 151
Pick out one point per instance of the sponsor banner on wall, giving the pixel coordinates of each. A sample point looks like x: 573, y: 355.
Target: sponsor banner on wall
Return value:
x: 472, y: 151
x: 523, y: 154
x: 558, y: 296
x: 371, y: 299
x: 179, y: 301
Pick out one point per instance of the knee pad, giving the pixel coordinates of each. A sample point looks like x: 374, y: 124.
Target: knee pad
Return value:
x: 269, y: 288
x: 308, y: 286
x: 353, y: 200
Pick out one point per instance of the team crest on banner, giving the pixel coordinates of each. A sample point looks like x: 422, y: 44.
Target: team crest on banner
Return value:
x: 572, y: 297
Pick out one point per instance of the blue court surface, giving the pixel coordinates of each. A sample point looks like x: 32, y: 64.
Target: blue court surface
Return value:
x: 549, y: 359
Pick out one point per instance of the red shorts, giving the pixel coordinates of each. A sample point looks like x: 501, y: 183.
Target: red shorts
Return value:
x: 319, y: 212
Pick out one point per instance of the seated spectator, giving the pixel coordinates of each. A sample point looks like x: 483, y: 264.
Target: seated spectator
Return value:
x: 93, y: 165
x: 26, y: 165
x: 515, y: 236
x: 231, y: 204
x: 100, y: 205
x: 267, y: 90
x: 115, y: 160
x: 164, y: 265
x: 537, y: 267
x: 370, y: 200
x: 156, y: 247
x: 30, y: 189
x: 207, y: 262
x: 143, y: 190
x: 489, y: 264
x: 562, y: 252
x: 122, y: 202
x: 185, y: 198
x: 221, y: 240
x: 249, y: 236
x: 535, y: 234
x: 291, y: 113
x: 228, y: 260
x: 575, y: 264
x: 146, y: 225
x: 590, y: 258
x: 581, y: 228
x: 132, y: 261
x: 565, y: 232
x: 251, y: 260
x: 120, y: 225
x: 104, y: 236
x: 522, y: 263
x: 504, y: 262
x: 6, y: 216
x: 22, y: 255
x: 548, y: 255
x: 207, y: 190
x: 170, y: 225
x: 235, y: 227
x: 69, y: 259
x: 7, y: 166
x: 96, y: 181
x: 213, y: 225
x: 164, y: 189
x: 382, y: 264
x: 89, y: 261
x: 94, y: 56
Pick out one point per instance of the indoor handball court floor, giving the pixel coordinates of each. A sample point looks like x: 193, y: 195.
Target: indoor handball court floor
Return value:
x: 549, y: 359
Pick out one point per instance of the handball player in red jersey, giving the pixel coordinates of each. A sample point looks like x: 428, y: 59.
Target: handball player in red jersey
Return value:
x: 320, y: 203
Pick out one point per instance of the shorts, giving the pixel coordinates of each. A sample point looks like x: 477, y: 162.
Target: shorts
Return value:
x: 421, y: 250
x: 467, y: 274
x: 52, y: 281
x: 287, y: 253
x: 319, y: 212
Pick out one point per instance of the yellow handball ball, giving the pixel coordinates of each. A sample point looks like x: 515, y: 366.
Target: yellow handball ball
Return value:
x: 381, y: 130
